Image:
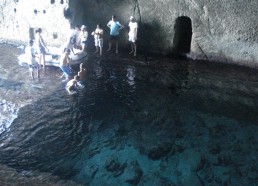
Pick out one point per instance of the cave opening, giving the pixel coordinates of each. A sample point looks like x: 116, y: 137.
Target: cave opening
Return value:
x: 183, y: 35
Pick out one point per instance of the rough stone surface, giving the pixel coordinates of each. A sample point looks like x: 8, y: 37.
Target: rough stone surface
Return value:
x: 221, y: 30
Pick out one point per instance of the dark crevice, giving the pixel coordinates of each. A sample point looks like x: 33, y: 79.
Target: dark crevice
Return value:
x: 139, y: 12
x: 183, y: 35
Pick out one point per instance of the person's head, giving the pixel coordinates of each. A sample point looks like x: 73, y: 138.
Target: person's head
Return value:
x: 31, y: 42
x: 67, y: 51
x: 39, y: 31
x: 77, y: 27
x: 113, y: 17
x: 98, y: 25
x: 76, y: 77
x: 132, y: 18
x: 83, y: 28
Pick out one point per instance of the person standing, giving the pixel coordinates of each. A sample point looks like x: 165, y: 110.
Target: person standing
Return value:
x: 133, y: 28
x: 82, y: 74
x: 30, y: 57
x: 84, y: 38
x: 98, y: 38
x: 77, y: 32
x: 41, y: 48
x: 64, y: 64
x: 71, y: 41
x: 115, y: 27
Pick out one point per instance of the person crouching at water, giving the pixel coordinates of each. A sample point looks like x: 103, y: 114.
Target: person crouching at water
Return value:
x: 82, y: 74
x: 72, y: 84
x: 30, y: 55
x: 64, y: 63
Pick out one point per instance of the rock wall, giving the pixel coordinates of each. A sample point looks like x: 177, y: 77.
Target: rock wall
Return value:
x: 204, y: 29
x: 20, y: 18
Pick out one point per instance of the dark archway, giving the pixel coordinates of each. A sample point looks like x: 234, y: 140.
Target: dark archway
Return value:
x: 183, y: 35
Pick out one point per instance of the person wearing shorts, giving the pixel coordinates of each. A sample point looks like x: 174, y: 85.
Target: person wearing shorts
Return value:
x: 133, y: 27
x: 30, y: 55
x: 64, y: 64
x: 84, y: 37
x: 98, y: 39
x: 40, y: 47
x: 115, y: 27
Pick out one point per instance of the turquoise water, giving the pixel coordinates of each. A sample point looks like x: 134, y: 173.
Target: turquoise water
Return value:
x: 143, y: 121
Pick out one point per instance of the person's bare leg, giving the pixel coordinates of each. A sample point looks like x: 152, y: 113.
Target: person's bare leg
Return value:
x: 135, y: 48
x: 32, y: 74
x: 116, y: 47
x: 44, y: 62
x: 109, y: 46
x: 100, y: 51
x: 131, y: 48
x: 97, y: 50
x: 38, y: 74
x: 40, y: 60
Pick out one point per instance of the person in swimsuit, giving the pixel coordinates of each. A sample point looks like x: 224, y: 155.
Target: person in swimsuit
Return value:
x: 40, y: 47
x: 82, y: 74
x: 64, y: 64
x: 30, y: 55
x: 72, y: 85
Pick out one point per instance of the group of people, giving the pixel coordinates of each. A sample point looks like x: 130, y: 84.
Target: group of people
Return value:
x: 38, y: 46
x: 115, y: 27
x: 78, y: 39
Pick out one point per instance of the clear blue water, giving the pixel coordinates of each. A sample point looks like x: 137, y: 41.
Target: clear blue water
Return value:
x: 159, y: 121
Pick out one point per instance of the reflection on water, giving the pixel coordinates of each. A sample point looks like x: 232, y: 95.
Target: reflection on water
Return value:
x: 135, y: 122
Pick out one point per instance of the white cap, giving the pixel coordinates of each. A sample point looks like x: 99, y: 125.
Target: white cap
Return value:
x: 131, y: 17
x: 83, y: 27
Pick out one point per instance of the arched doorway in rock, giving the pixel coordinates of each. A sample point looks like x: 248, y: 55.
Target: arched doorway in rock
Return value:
x: 183, y: 35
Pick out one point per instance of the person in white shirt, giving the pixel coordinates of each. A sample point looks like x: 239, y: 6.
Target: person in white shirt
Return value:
x: 98, y: 38
x: 30, y: 57
x: 84, y: 37
x: 133, y: 28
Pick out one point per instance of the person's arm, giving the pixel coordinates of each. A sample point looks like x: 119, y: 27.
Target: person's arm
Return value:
x: 109, y: 25
x: 121, y: 26
x: 101, y: 32
x: 42, y: 42
x: 86, y: 35
x: 68, y: 59
x: 136, y: 29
